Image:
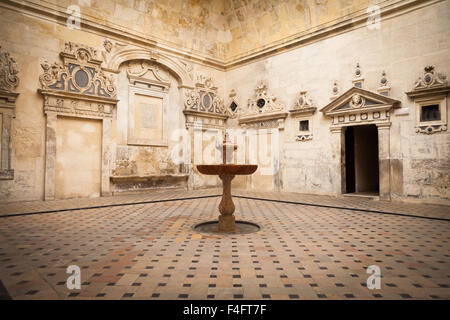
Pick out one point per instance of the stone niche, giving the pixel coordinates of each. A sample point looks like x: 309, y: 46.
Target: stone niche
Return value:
x: 9, y: 81
x: 142, y: 160
x: 78, y: 89
x: 147, y: 104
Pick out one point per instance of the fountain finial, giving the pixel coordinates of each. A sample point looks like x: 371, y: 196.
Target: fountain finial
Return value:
x: 227, y: 146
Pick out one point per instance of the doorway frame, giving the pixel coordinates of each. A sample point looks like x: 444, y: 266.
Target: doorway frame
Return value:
x: 355, y: 107
x: 100, y: 109
x: 345, y: 161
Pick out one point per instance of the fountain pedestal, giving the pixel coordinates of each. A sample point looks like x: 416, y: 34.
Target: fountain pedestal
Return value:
x: 226, y: 206
x: 226, y: 173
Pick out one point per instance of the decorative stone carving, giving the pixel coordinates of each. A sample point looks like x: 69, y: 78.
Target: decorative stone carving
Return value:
x: 9, y: 80
x: 265, y: 124
x: 108, y: 45
x: 430, y: 91
x: 233, y: 106
x: 431, y: 79
x: 116, y: 53
x: 303, y: 108
x: 61, y: 104
x: 148, y: 73
x: 79, y: 73
x: 304, y: 137
x: 303, y: 105
x: 384, y: 88
x: 357, y: 106
x: 8, y: 72
x: 262, y: 107
x: 203, y: 106
x: 334, y: 91
x: 77, y: 87
x: 358, y: 80
x: 189, y: 68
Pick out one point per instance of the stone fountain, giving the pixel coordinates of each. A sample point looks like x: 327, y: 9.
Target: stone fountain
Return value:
x: 226, y: 173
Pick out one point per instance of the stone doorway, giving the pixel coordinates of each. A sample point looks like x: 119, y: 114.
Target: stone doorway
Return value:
x: 78, y: 158
x: 361, y: 160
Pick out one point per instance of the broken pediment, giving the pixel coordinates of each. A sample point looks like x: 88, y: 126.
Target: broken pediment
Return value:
x: 78, y: 86
x: 203, y: 107
x: 263, y: 107
x: 359, y: 105
x: 431, y: 83
x: 303, y: 105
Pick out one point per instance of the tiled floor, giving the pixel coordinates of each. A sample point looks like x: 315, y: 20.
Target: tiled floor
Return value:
x: 150, y: 251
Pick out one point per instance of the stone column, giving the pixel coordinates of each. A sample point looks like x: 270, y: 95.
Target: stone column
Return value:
x: 338, y: 156
x: 50, y: 156
x: 106, y: 158
x: 6, y: 141
x: 226, y: 206
x: 384, y: 160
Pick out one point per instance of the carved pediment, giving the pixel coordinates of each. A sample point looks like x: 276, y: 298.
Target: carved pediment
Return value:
x: 78, y: 86
x: 359, y: 106
x: 116, y: 53
x: 203, y: 99
x: 80, y: 73
x: 263, y: 106
x: 148, y: 73
x: 431, y: 83
x: 303, y: 105
x: 203, y: 107
x: 357, y: 100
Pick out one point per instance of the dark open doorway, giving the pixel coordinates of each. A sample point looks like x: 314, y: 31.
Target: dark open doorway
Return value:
x: 361, y: 160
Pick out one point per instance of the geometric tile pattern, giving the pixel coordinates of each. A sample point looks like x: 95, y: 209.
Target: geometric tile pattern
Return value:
x: 150, y: 251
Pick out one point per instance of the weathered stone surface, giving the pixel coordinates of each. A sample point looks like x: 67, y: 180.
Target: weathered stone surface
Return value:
x: 415, y: 166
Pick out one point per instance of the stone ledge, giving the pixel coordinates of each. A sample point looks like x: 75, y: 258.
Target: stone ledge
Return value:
x: 138, y: 183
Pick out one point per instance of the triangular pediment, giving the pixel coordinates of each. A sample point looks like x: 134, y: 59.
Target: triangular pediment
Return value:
x: 357, y: 99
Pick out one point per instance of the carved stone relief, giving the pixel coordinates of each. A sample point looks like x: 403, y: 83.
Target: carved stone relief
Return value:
x: 77, y: 87
x: 263, y: 107
x: 203, y: 106
x: 233, y: 105
x: 303, y: 105
x: 115, y: 53
x: 79, y: 73
x: 430, y: 97
x: 9, y: 81
x: 304, y: 108
x: 150, y: 74
x: 334, y: 90
x: 358, y: 106
x: 358, y: 80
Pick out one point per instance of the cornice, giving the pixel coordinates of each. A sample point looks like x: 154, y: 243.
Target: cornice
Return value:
x: 118, y: 33
x: 389, y: 9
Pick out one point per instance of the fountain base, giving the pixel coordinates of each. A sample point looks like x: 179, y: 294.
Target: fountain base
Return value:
x: 240, y: 227
x: 227, y: 223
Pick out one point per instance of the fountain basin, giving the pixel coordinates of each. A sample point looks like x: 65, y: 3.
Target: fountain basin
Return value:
x: 232, y: 169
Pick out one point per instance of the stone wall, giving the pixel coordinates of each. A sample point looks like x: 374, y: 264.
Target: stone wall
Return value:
x: 215, y: 30
x: 403, y: 46
x: 32, y: 41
